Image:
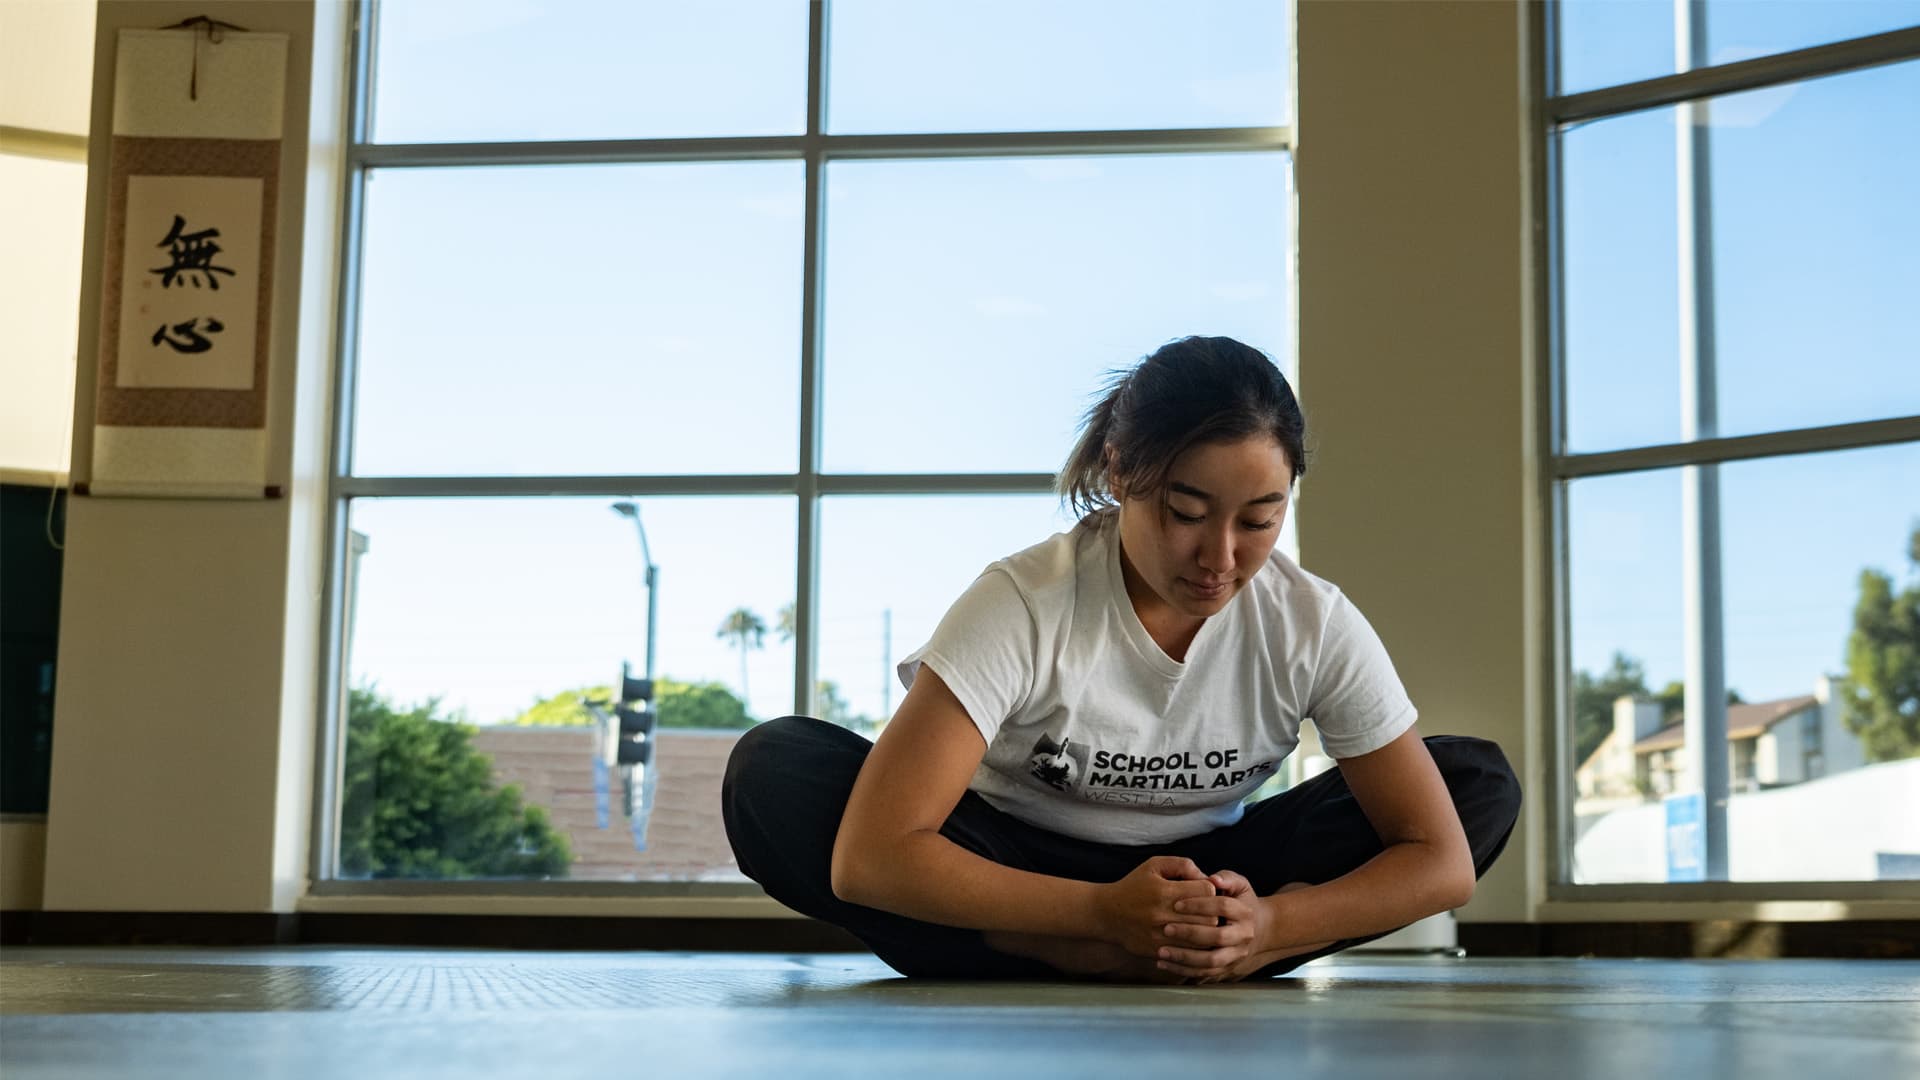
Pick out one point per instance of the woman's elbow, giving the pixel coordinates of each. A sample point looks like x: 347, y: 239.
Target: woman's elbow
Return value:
x: 843, y: 873
x: 1460, y: 884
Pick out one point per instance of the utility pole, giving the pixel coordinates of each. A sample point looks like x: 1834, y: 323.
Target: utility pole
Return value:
x: 1705, y: 725
x: 886, y: 665
x: 652, y: 578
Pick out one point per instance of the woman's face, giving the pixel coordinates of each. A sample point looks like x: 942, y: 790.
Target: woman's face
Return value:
x: 1222, y: 512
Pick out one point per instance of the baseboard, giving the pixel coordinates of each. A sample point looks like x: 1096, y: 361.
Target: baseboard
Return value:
x: 1855, y: 939
x: 1727, y: 938
x: 446, y: 931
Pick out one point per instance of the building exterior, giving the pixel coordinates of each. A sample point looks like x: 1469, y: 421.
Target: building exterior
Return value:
x: 1774, y: 744
x: 554, y: 768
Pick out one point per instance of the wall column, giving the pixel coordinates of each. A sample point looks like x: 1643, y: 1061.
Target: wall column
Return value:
x: 185, y: 723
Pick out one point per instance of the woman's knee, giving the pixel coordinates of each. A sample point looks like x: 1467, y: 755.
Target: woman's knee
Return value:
x: 787, y: 765
x: 756, y: 747
x: 1477, y: 772
x: 754, y: 766
x: 770, y: 748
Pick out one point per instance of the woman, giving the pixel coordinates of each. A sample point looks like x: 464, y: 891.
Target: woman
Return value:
x: 1062, y: 791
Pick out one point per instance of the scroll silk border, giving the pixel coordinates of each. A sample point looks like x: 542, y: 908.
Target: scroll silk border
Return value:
x: 122, y: 406
x: 188, y: 103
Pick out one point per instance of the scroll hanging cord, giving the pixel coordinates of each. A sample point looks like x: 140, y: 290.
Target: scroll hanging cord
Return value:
x: 215, y: 30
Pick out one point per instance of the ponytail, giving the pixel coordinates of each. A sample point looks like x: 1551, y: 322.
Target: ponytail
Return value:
x: 1084, y: 484
x: 1192, y: 391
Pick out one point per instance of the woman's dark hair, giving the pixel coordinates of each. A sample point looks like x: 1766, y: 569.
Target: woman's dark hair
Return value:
x: 1190, y: 392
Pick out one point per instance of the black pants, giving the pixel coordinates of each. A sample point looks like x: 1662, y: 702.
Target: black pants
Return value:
x: 788, y: 781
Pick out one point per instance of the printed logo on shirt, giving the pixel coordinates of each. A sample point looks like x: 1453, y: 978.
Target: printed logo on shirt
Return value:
x: 1180, y: 770
x: 1059, y: 765
x: 1158, y: 780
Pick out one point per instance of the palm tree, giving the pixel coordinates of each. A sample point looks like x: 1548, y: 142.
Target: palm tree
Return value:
x: 783, y: 623
x: 747, y: 631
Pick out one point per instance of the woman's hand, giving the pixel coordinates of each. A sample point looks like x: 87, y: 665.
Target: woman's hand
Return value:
x: 1133, y: 911
x: 1229, y: 944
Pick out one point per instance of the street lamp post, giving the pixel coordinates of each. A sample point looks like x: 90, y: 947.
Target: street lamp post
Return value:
x: 631, y: 510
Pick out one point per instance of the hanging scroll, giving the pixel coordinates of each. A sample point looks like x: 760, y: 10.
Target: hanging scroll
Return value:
x: 181, y: 405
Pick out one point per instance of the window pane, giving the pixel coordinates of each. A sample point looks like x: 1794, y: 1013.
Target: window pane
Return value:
x: 1620, y: 305
x: 1608, y: 42
x: 532, y: 70
x: 880, y: 598
x: 1815, y: 807
x: 1815, y: 240
x: 580, y: 320
x: 491, y: 607
x: 1741, y: 29
x: 1809, y: 798
x: 1013, y: 65
x: 973, y: 306
x: 1627, y: 626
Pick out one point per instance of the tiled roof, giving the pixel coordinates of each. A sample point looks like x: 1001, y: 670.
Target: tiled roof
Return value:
x: 685, y: 839
x: 1745, y: 721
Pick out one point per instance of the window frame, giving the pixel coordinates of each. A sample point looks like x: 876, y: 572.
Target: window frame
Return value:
x: 1553, y: 114
x: 807, y: 485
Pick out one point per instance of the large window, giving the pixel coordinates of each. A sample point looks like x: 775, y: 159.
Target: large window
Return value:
x: 655, y: 360
x: 1736, y: 443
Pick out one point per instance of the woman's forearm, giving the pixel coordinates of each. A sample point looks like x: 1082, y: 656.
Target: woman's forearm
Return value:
x: 1403, y: 884
x: 923, y: 875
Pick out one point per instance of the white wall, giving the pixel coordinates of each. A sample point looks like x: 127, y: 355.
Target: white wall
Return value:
x: 1415, y: 367
x: 1843, y: 749
x: 46, y: 71
x: 46, y: 84
x: 23, y: 864
x: 1822, y: 830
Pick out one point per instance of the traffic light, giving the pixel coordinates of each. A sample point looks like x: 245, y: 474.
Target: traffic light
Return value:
x: 627, y: 731
x: 626, y: 744
x: 633, y: 743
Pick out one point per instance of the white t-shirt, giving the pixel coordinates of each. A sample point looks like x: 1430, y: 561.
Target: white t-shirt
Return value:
x: 1093, y: 731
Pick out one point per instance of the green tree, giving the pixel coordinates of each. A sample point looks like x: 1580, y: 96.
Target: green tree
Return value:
x: 745, y: 631
x: 564, y: 709
x: 699, y: 705
x: 1593, y: 698
x: 1673, y: 702
x: 784, y: 625
x: 680, y: 705
x: 420, y: 802
x: 1882, y: 690
x: 834, y: 708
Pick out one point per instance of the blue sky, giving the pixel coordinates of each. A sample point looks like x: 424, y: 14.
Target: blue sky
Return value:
x: 1816, y: 246
x: 645, y: 320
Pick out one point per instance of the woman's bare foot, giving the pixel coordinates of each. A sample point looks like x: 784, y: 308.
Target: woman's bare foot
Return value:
x: 1082, y: 956
x: 1260, y: 960
x: 1105, y: 960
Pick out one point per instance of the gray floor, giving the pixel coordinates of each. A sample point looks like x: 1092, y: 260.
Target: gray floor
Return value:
x: 309, y: 1012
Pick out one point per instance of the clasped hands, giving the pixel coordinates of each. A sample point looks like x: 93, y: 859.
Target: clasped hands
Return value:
x: 1203, y: 927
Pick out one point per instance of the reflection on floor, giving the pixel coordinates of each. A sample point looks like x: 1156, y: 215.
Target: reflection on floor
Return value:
x: 323, y: 1012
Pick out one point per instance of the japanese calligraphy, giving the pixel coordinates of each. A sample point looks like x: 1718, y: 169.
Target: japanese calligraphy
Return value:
x: 192, y: 255
x: 191, y: 306
x: 190, y: 339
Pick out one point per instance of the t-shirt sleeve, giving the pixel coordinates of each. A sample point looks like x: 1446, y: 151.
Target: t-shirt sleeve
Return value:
x: 983, y: 650
x: 1357, y: 700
